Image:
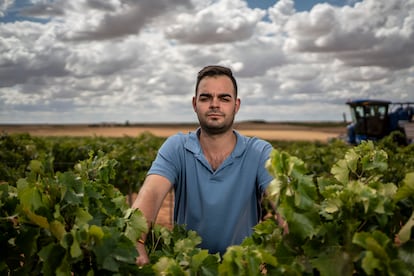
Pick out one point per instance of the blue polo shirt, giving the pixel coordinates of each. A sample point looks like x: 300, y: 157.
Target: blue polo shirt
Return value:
x: 222, y: 206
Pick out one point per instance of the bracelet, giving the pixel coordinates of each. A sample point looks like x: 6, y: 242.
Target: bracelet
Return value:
x: 141, y: 241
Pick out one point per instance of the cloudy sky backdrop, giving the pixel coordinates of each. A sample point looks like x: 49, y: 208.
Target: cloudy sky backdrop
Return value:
x: 92, y: 61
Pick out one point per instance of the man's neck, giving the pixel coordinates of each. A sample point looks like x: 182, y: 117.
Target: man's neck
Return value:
x: 217, y: 142
x: 217, y: 147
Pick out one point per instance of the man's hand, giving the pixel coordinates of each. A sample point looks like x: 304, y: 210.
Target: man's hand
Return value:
x: 149, y: 201
x: 282, y: 223
x: 142, y: 258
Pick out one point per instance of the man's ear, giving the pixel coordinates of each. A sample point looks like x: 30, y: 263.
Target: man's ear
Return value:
x: 237, y: 105
x: 194, y: 101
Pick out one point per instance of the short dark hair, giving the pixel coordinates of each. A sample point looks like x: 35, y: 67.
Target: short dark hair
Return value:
x: 216, y: 70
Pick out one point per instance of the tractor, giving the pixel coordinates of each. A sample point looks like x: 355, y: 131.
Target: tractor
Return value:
x: 375, y: 119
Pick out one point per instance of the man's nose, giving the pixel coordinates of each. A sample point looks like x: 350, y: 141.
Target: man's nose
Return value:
x: 214, y: 102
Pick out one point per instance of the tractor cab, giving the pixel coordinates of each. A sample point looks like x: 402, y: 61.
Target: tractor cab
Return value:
x: 374, y: 119
x: 370, y: 120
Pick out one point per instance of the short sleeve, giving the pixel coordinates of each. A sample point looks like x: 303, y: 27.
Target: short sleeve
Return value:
x: 264, y: 177
x: 168, y: 160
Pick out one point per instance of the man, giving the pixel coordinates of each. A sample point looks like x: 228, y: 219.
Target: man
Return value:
x: 218, y: 175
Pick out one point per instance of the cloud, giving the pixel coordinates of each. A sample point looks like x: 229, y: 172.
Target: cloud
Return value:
x: 45, y: 9
x: 368, y: 34
x: 26, y: 56
x: 122, y: 18
x: 93, y: 61
x: 4, y: 6
x: 221, y: 22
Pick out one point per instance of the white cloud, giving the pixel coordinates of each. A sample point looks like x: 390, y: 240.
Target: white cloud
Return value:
x: 223, y: 21
x: 4, y: 5
x: 94, y: 61
x: 368, y: 34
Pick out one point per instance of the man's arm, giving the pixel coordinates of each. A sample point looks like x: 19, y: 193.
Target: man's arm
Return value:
x: 149, y: 201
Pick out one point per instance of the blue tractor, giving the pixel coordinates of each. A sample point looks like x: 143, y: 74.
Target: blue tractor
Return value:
x: 375, y: 119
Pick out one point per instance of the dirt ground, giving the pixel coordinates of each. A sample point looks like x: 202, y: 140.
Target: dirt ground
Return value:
x: 267, y: 131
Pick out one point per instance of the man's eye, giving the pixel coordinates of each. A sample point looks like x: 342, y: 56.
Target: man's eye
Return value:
x: 225, y: 99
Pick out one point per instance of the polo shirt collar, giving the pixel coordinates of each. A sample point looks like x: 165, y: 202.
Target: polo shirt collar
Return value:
x: 193, y: 144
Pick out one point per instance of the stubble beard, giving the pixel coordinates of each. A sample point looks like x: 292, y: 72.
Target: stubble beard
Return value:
x: 214, y: 128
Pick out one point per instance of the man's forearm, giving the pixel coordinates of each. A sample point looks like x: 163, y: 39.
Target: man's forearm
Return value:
x: 148, y: 203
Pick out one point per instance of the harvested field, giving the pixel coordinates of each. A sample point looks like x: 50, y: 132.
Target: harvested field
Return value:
x: 269, y: 131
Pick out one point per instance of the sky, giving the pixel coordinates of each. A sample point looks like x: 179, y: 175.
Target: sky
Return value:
x: 93, y: 61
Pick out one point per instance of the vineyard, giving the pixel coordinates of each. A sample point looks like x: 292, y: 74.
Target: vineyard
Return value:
x: 65, y: 211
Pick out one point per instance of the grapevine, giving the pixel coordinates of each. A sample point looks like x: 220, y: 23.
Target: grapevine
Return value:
x: 64, y: 210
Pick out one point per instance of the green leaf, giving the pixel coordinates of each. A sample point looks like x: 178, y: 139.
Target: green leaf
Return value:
x: 379, y: 252
x: 168, y: 266
x: 36, y: 219
x: 136, y: 225
x: 72, y: 188
x: 333, y: 261
x: 58, y: 229
x: 114, y: 251
x: 273, y: 190
x: 388, y: 190
x: 198, y: 259
x: 296, y: 166
x: 375, y: 242
x: 209, y: 267
x: 404, y: 234
x: 303, y: 225
x: 51, y: 256
x: 370, y: 263
x: 82, y: 216
x: 341, y: 172
x: 305, y: 194
x: 245, y: 260
x: 30, y: 196
x: 373, y: 159
x: 36, y: 166
x: 233, y: 263
x: 406, y: 254
x: 352, y: 158
x: 125, y: 251
x: 331, y: 205
x: 187, y: 244
x: 64, y: 269
x: 75, y: 249
x: 407, y: 189
x: 96, y: 232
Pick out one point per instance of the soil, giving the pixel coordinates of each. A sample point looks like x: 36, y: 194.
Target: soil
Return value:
x: 267, y: 131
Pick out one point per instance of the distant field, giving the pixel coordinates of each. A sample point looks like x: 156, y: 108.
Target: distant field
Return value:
x: 317, y: 131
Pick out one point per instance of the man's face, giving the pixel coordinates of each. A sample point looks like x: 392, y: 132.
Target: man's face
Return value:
x: 216, y: 104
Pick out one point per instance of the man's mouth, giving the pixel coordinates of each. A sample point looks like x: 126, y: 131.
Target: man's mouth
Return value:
x: 214, y: 115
